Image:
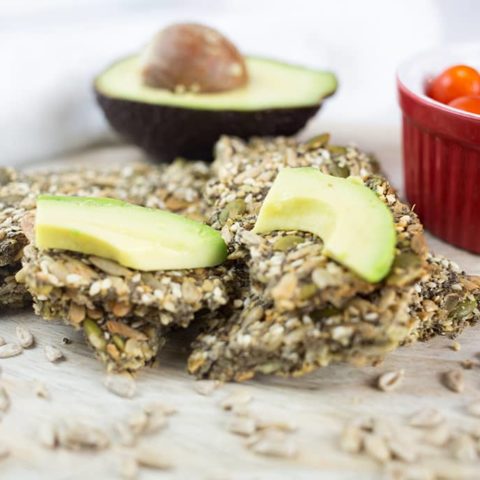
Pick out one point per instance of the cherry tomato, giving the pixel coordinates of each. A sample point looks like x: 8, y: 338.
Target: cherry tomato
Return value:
x: 454, y: 82
x: 469, y: 104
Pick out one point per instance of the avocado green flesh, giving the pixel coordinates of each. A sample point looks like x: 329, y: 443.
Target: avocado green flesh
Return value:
x: 136, y: 237
x: 271, y: 85
x: 357, y: 228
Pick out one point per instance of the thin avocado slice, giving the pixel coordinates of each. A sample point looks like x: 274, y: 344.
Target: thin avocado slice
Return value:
x: 357, y: 228
x: 136, y: 237
x: 272, y: 84
x: 279, y: 99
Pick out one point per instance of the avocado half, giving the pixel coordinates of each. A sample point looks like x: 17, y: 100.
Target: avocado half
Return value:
x: 278, y: 100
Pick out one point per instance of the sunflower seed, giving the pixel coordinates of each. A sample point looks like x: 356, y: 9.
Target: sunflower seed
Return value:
x: 128, y: 468
x: 10, y: 350
x: 4, y: 399
x: 53, y: 354
x: 40, y: 390
x: 158, y: 407
x: 150, y: 457
x: 265, y: 421
x: 464, y: 449
x: 77, y: 435
x: 24, y: 336
x: 390, y: 381
x: 156, y: 422
x: 273, y: 443
x: 426, y: 418
x: 438, y: 436
x: 474, y: 408
x: 242, y: 426
x: 240, y: 397
x: 47, y: 435
x: 125, y: 435
x: 121, y: 385
x: 138, y: 422
x: 206, y: 387
x: 376, y: 448
x: 351, y: 440
x: 402, y: 450
x: 454, y: 380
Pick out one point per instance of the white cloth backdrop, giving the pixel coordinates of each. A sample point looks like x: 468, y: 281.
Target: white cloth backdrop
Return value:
x: 50, y: 51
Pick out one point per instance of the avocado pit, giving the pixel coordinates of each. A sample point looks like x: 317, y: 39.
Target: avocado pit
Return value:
x: 195, y: 58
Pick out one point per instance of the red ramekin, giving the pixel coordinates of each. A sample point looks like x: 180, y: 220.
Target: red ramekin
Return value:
x: 441, y: 150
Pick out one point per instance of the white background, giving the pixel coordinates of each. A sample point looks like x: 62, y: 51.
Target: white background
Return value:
x: 51, y: 50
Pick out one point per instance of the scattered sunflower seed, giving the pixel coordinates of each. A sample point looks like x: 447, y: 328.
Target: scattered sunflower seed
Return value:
x: 242, y: 426
x: 464, y: 448
x: 390, y: 381
x: 47, y: 435
x: 438, y: 436
x: 454, y: 380
x: 426, y: 418
x: 128, y: 468
x: 376, y: 448
x: 156, y: 422
x: 40, y: 390
x: 241, y: 397
x: 351, y: 440
x: 206, y: 387
x: 10, y: 350
x: 467, y: 364
x: 474, y: 408
x: 158, y: 407
x: 265, y: 421
x: 121, y: 385
x: 4, y: 399
x: 150, y: 457
x: 53, y: 354
x: 24, y: 336
x: 272, y: 443
x: 78, y: 435
x: 138, y: 422
x: 125, y: 436
x: 402, y: 450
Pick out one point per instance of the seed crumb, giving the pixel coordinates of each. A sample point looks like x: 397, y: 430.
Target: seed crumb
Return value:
x: 53, y: 354
x: 24, y: 336
x: 121, y: 385
x: 40, y: 390
x: 454, y: 380
x: 351, y: 440
x: 206, y: 387
x: 376, y: 448
x: 272, y: 443
x: 390, y: 381
x: 241, y: 397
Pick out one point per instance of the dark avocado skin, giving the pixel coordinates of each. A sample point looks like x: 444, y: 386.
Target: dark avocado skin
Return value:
x: 167, y: 132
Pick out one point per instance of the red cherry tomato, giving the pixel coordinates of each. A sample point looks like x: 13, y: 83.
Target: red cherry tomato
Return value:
x: 469, y: 104
x: 454, y: 82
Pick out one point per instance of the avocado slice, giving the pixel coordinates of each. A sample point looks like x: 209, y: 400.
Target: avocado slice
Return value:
x: 137, y: 237
x: 357, y: 228
x: 278, y: 100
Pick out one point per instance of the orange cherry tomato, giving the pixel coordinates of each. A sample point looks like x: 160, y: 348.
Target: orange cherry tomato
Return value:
x: 469, y: 104
x: 454, y: 82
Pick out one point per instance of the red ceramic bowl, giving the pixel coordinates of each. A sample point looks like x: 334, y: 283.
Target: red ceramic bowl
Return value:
x: 441, y: 150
